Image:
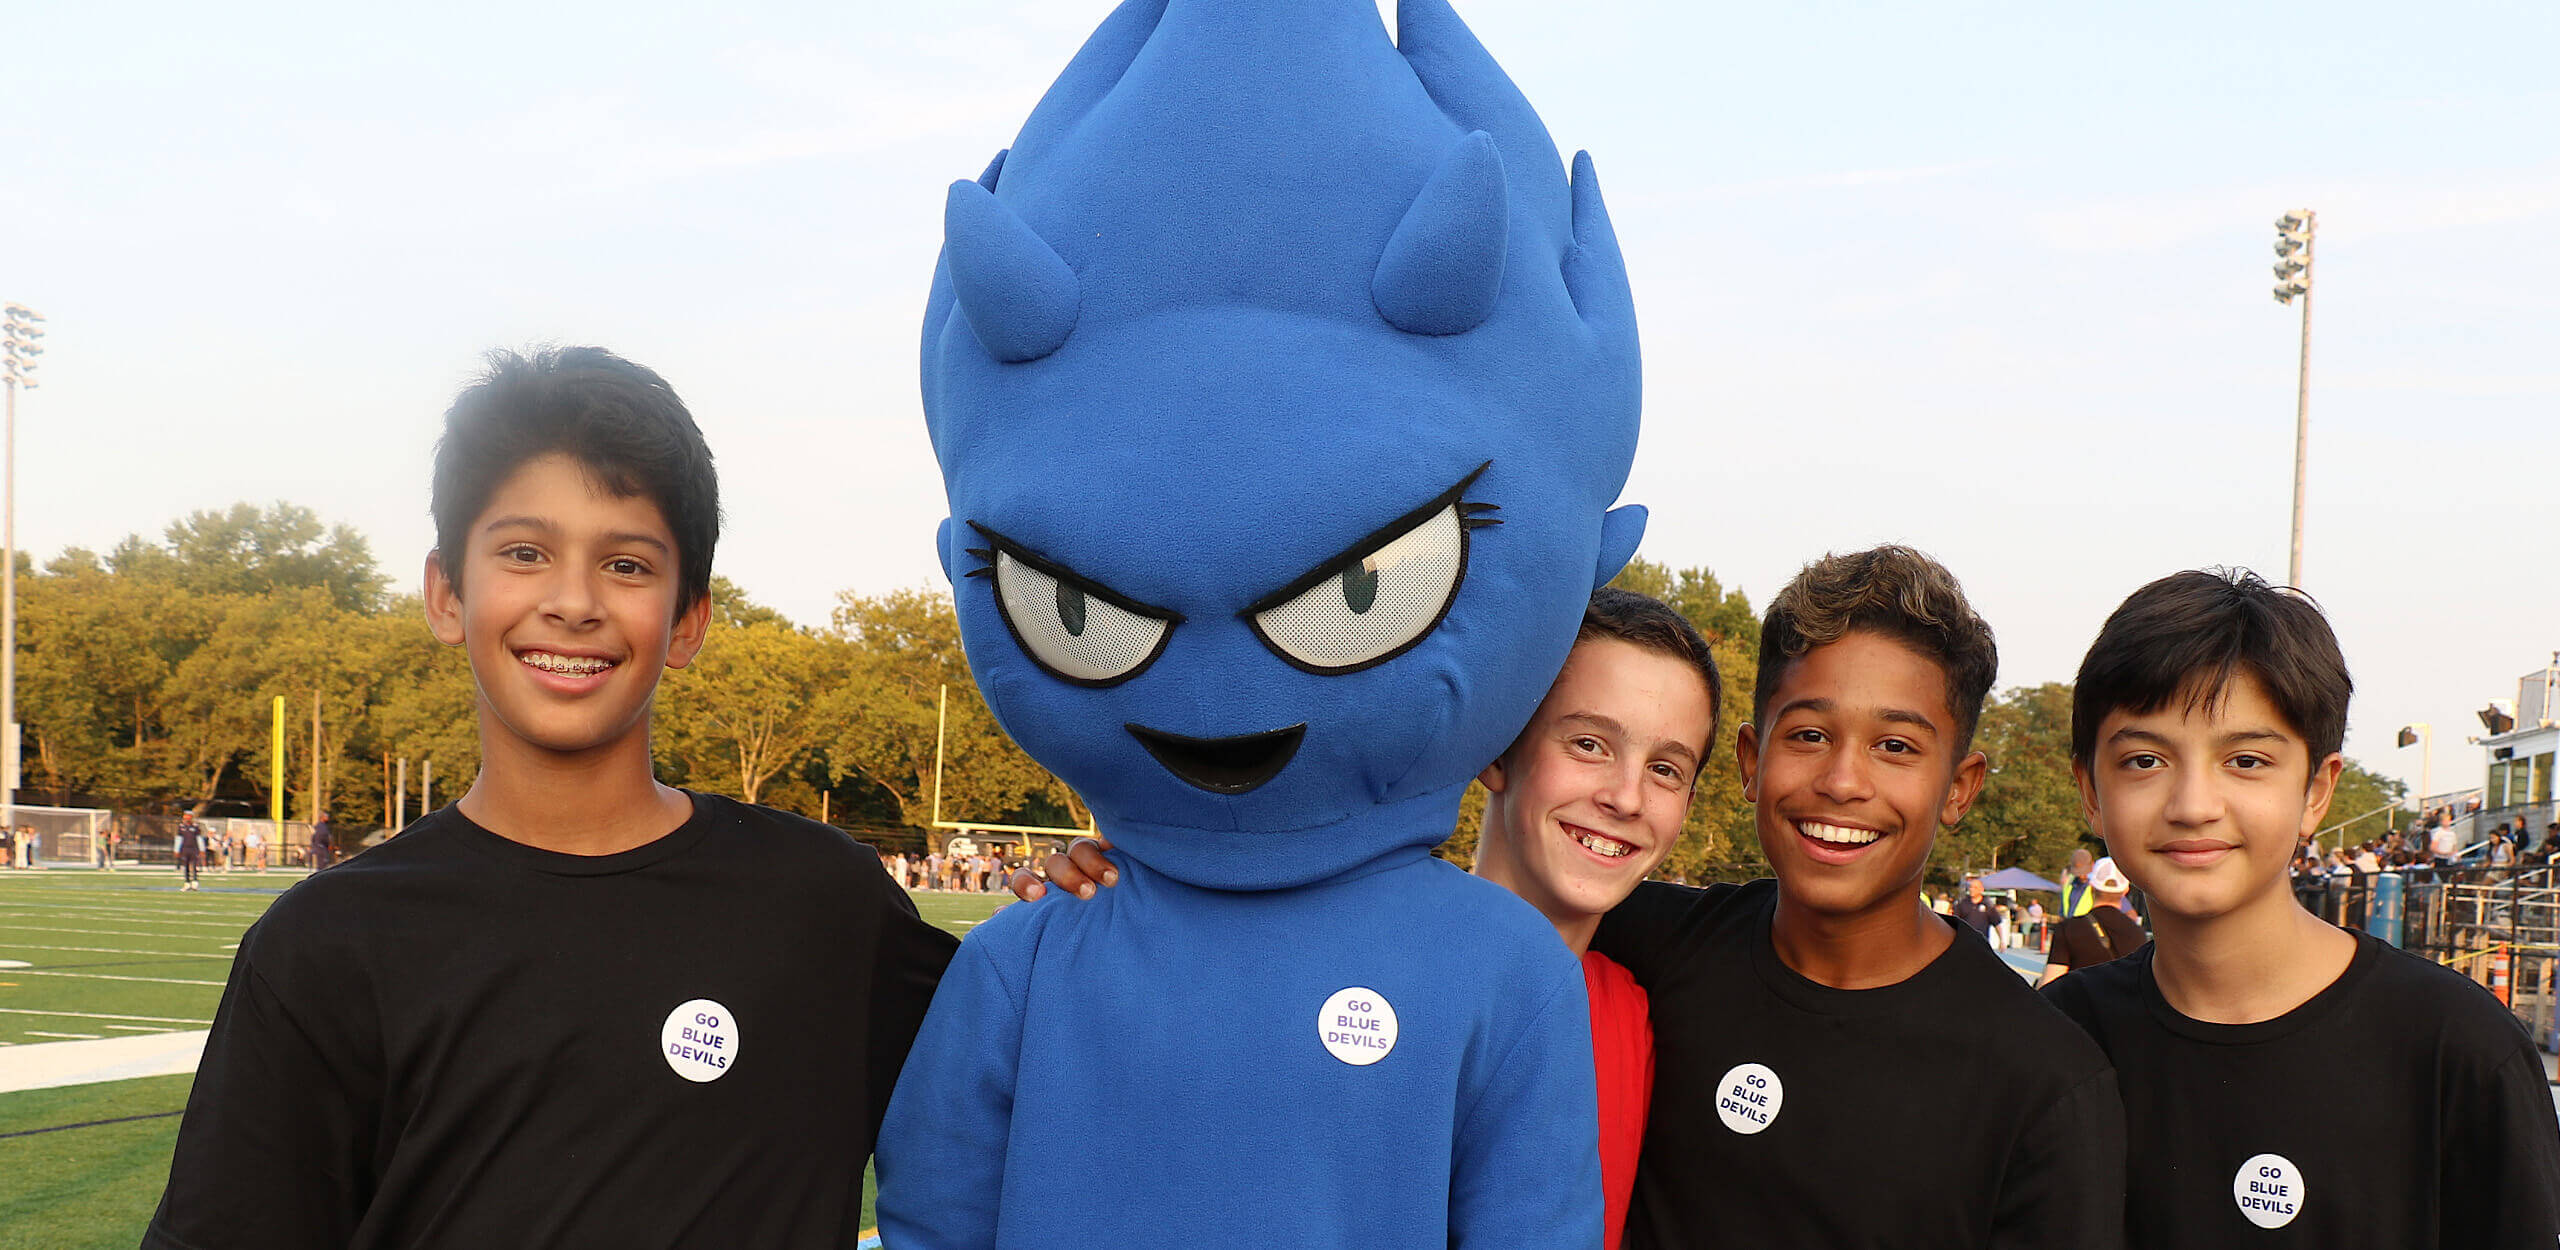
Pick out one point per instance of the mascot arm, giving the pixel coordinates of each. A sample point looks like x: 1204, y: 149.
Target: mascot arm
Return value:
x: 942, y: 1145
x: 1527, y: 1171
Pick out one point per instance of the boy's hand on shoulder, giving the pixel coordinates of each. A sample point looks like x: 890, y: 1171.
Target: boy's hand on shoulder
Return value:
x: 1078, y: 872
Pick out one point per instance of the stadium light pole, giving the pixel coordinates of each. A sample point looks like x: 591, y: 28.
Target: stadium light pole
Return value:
x: 2294, y: 231
x: 21, y: 341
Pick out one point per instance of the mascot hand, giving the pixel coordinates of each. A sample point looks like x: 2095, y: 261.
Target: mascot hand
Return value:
x: 1077, y: 872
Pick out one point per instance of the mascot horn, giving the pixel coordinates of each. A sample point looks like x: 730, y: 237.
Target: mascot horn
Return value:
x: 1281, y: 380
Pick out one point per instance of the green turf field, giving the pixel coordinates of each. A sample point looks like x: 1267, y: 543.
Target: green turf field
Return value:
x: 121, y: 954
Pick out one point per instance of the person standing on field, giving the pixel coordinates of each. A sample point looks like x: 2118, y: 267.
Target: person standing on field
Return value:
x: 324, y: 843
x: 190, y: 850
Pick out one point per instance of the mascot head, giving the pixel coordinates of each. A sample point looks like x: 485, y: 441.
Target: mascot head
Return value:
x: 1281, y: 379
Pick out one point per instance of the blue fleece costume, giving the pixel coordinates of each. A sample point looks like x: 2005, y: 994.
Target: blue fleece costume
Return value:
x: 1281, y: 381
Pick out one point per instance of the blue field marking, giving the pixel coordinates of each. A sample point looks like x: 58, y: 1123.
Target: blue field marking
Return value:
x: 2029, y: 964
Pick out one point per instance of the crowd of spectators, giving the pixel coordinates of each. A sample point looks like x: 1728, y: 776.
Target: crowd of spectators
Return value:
x: 971, y: 874
x: 2434, y: 844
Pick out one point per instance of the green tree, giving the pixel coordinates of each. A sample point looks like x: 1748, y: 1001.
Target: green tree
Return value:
x: 245, y: 551
x: 904, y: 652
x: 95, y: 651
x: 2368, y: 805
x: 2028, y: 814
x: 424, y: 705
x: 752, y: 705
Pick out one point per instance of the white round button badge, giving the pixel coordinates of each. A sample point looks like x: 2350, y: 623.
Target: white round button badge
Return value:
x: 1748, y: 1097
x: 1357, y: 1026
x: 700, y: 1040
x: 2269, y: 1190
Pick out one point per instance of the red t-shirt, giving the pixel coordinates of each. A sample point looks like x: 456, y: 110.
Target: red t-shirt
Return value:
x: 1622, y: 1054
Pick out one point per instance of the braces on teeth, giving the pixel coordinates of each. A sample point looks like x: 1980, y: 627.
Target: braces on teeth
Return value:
x: 577, y: 667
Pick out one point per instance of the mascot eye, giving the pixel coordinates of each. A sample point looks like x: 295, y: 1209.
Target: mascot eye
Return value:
x: 1372, y: 604
x: 1071, y: 627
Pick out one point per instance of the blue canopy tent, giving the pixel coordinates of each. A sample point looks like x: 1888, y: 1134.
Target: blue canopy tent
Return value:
x: 2018, y: 879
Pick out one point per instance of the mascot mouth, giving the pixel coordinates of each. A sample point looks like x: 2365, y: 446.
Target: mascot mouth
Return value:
x: 1222, y: 765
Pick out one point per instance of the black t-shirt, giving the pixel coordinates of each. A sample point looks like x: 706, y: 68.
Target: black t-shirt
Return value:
x: 2080, y: 941
x: 1950, y: 1110
x: 456, y: 1040
x: 2399, y: 1109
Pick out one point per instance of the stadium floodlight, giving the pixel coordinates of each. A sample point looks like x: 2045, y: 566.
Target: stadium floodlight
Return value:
x: 20, y: 329
x: 2409, y: 736
x: 2294, y: 232
x: 2497, y: 719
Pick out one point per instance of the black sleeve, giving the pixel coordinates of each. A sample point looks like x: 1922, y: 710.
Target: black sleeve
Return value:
x: 275, y: 1150
x: 2501, y: 1178
x: 1635, y: 932
x: 2064, y: 1181
x: 909, y: 957
x: 2060, y: 954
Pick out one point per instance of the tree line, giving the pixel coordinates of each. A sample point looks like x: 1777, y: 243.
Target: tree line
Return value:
x: 146, y: 676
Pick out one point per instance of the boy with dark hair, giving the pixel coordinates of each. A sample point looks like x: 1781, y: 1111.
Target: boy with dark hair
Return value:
x: 1851, y: 1068
x: 2205, y: 734
x: 576, y: 1007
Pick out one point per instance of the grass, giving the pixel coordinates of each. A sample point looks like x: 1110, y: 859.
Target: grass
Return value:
x: 121, y: 954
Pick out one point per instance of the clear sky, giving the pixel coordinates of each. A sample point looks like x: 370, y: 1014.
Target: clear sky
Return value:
x: 1987, y: 278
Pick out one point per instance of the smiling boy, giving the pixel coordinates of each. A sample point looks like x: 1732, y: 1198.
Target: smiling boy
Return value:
x: 577, y: 1008
x: 1585, y: 804
x: 1851, y: 1069
x: 2206, y: 727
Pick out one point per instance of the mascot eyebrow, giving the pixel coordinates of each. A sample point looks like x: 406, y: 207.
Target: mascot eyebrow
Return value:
x: 1359, y: 568
x: 1073, y: 600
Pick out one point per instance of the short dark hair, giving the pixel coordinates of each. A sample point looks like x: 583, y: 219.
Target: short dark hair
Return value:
x: 1653, y: 625
x: 620, y: 421
x: 1890, y: 590
x: 2187, y: 635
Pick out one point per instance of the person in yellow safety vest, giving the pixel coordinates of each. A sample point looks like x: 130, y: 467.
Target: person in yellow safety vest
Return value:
x: 2077, y: 897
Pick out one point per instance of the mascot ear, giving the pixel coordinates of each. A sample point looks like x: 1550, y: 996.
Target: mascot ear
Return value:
x: 1018, y: 294
x: 942, y: 549
x: 1442, y: 270
x: 1620, y: 531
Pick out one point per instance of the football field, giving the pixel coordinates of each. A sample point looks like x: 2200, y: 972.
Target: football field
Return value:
x: 89, y: 957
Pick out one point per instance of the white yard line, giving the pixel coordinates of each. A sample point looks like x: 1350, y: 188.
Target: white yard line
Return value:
x: 135, y: 1028
x: 112, y: 950
x: 137, y: 916
x: 45, y: 1065
x: 101, y: 976
x: 29, y: 928
x: 95, y: 1015
x: 75, y: 1037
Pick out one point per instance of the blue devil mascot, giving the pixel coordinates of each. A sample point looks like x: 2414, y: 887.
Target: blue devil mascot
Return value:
x: 1282, y: 379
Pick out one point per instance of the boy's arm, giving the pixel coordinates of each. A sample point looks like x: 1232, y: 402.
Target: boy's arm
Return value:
x: 942, y: 1148
x: 2064, y: 1180
x: 909, y: 957
x: 1527, y: 1170
x: 276, y: 1147
x: 2500, y: 1188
